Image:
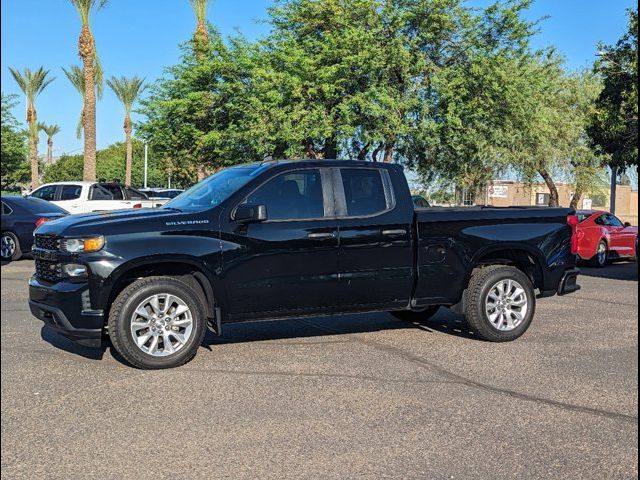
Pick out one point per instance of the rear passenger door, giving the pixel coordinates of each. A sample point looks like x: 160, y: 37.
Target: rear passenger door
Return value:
x: 69, y: 198
x: 375, y: 262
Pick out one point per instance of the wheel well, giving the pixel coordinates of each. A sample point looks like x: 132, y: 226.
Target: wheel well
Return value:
x: 187, y: 273
x: 520, y: 259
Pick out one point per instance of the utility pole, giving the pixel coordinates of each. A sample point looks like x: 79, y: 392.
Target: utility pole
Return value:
x: 145, y: 163
x: 614, y: 183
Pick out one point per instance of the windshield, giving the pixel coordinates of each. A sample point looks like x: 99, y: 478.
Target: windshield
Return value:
x: 215, y: 189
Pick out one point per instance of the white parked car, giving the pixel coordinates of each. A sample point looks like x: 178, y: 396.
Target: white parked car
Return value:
x: 86, y: 197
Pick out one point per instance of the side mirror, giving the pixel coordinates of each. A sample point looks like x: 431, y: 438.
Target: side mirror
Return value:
x: 250, y: 213
x: 627, y: 224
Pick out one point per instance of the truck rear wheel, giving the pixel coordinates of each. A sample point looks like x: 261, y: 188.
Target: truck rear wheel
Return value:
x: 157, y: 322
x: 416, y: 316
x: 500, y: 303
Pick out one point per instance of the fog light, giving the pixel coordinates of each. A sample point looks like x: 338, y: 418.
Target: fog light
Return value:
x: 74, y: 270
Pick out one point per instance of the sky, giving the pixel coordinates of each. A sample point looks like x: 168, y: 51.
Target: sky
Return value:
x: 141, y: 37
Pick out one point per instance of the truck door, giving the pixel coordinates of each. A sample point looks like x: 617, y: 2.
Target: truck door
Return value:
x: 375, y: 264
x: 287, y: 264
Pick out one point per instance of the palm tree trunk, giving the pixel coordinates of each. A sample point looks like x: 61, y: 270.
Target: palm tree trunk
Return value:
x: 86, y: 49
x: 49, y: 151
x: 554, y: 198
x: 33, y: 152
x: 129, y: 163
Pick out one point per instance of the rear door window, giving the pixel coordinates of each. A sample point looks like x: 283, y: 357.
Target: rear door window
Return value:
x: 364, y: 192
x: 70, y: 192
x: 48, y: 192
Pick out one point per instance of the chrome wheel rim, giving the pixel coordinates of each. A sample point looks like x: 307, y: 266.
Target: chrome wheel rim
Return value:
x: 161, y: 325
x: 602, y: 253
x: 7, y: 247
x: 506, y: 305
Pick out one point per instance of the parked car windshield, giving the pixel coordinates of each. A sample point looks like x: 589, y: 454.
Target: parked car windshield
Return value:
x: 215, y: 189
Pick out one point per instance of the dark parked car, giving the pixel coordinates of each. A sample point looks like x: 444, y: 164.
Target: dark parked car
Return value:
x: 288, y: 239
x: 20, y: 216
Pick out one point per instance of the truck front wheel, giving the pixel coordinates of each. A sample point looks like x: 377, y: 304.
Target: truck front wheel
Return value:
x: 157, y: 322
x: 500, y: 303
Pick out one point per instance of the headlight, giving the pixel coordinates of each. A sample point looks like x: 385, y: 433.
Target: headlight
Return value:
x: 77, y: 245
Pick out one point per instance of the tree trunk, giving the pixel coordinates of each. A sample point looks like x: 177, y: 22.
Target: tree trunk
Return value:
x: 49, y: 151
x: 577, y: 196
x: 388, y: 153
x: 362, y: 155
x: 201, y: 41
x: 376, y: 152
x: 33, y: 148
x: 311, y: 151
x: 330, y: 150
x: 86, y: 49
x: 129, y: 162
x: 554, y: 198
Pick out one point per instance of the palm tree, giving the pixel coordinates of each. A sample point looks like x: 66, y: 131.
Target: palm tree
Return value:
x: 201, y: 35
x: 32, y: 83
x: 50, y: 130
x: 201, y: 42
x: 87, y: 51
x: 76, y: 77
x: 127, y: 90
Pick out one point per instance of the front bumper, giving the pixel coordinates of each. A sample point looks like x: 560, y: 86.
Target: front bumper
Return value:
x: 65, y: 307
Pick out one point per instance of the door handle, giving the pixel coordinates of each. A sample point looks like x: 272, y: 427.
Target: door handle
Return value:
x: 400, y: 231
x: 320, y: 236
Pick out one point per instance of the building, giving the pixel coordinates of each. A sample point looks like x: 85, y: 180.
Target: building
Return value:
x: 503, y: 193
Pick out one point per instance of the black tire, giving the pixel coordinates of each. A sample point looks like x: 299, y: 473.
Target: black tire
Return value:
x: 476, y: 296
x: 416, y: 316
x: 126, y: 302
x: 599, y: 261
x: 17, y: 251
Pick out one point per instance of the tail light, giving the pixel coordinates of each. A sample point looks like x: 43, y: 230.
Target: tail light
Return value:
x: 137, y: 205
x: 41, y: 220
x: 572, y: 221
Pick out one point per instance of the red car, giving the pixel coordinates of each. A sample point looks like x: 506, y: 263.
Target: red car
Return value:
x: 602, y: 237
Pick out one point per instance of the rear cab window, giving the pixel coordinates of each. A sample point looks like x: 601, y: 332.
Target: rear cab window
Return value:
x: 367, y: 192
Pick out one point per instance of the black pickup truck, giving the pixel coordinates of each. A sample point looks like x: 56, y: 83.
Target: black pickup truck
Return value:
x: 288, y: 239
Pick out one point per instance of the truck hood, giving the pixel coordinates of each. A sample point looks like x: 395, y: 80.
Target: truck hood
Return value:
x: 128, y: 221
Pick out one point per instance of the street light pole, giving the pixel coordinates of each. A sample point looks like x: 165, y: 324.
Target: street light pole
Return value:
x: 145, y: 163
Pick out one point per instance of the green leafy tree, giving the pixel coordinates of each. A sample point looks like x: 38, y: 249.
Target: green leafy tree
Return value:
x: 127, y: 90
x: 50, y: 131
x: 92, y: 74
x: 15, y: 168
x: 614, y: 123
x: 32, y: 83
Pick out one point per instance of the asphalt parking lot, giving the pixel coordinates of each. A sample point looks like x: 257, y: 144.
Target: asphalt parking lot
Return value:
x: 363, y: 396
